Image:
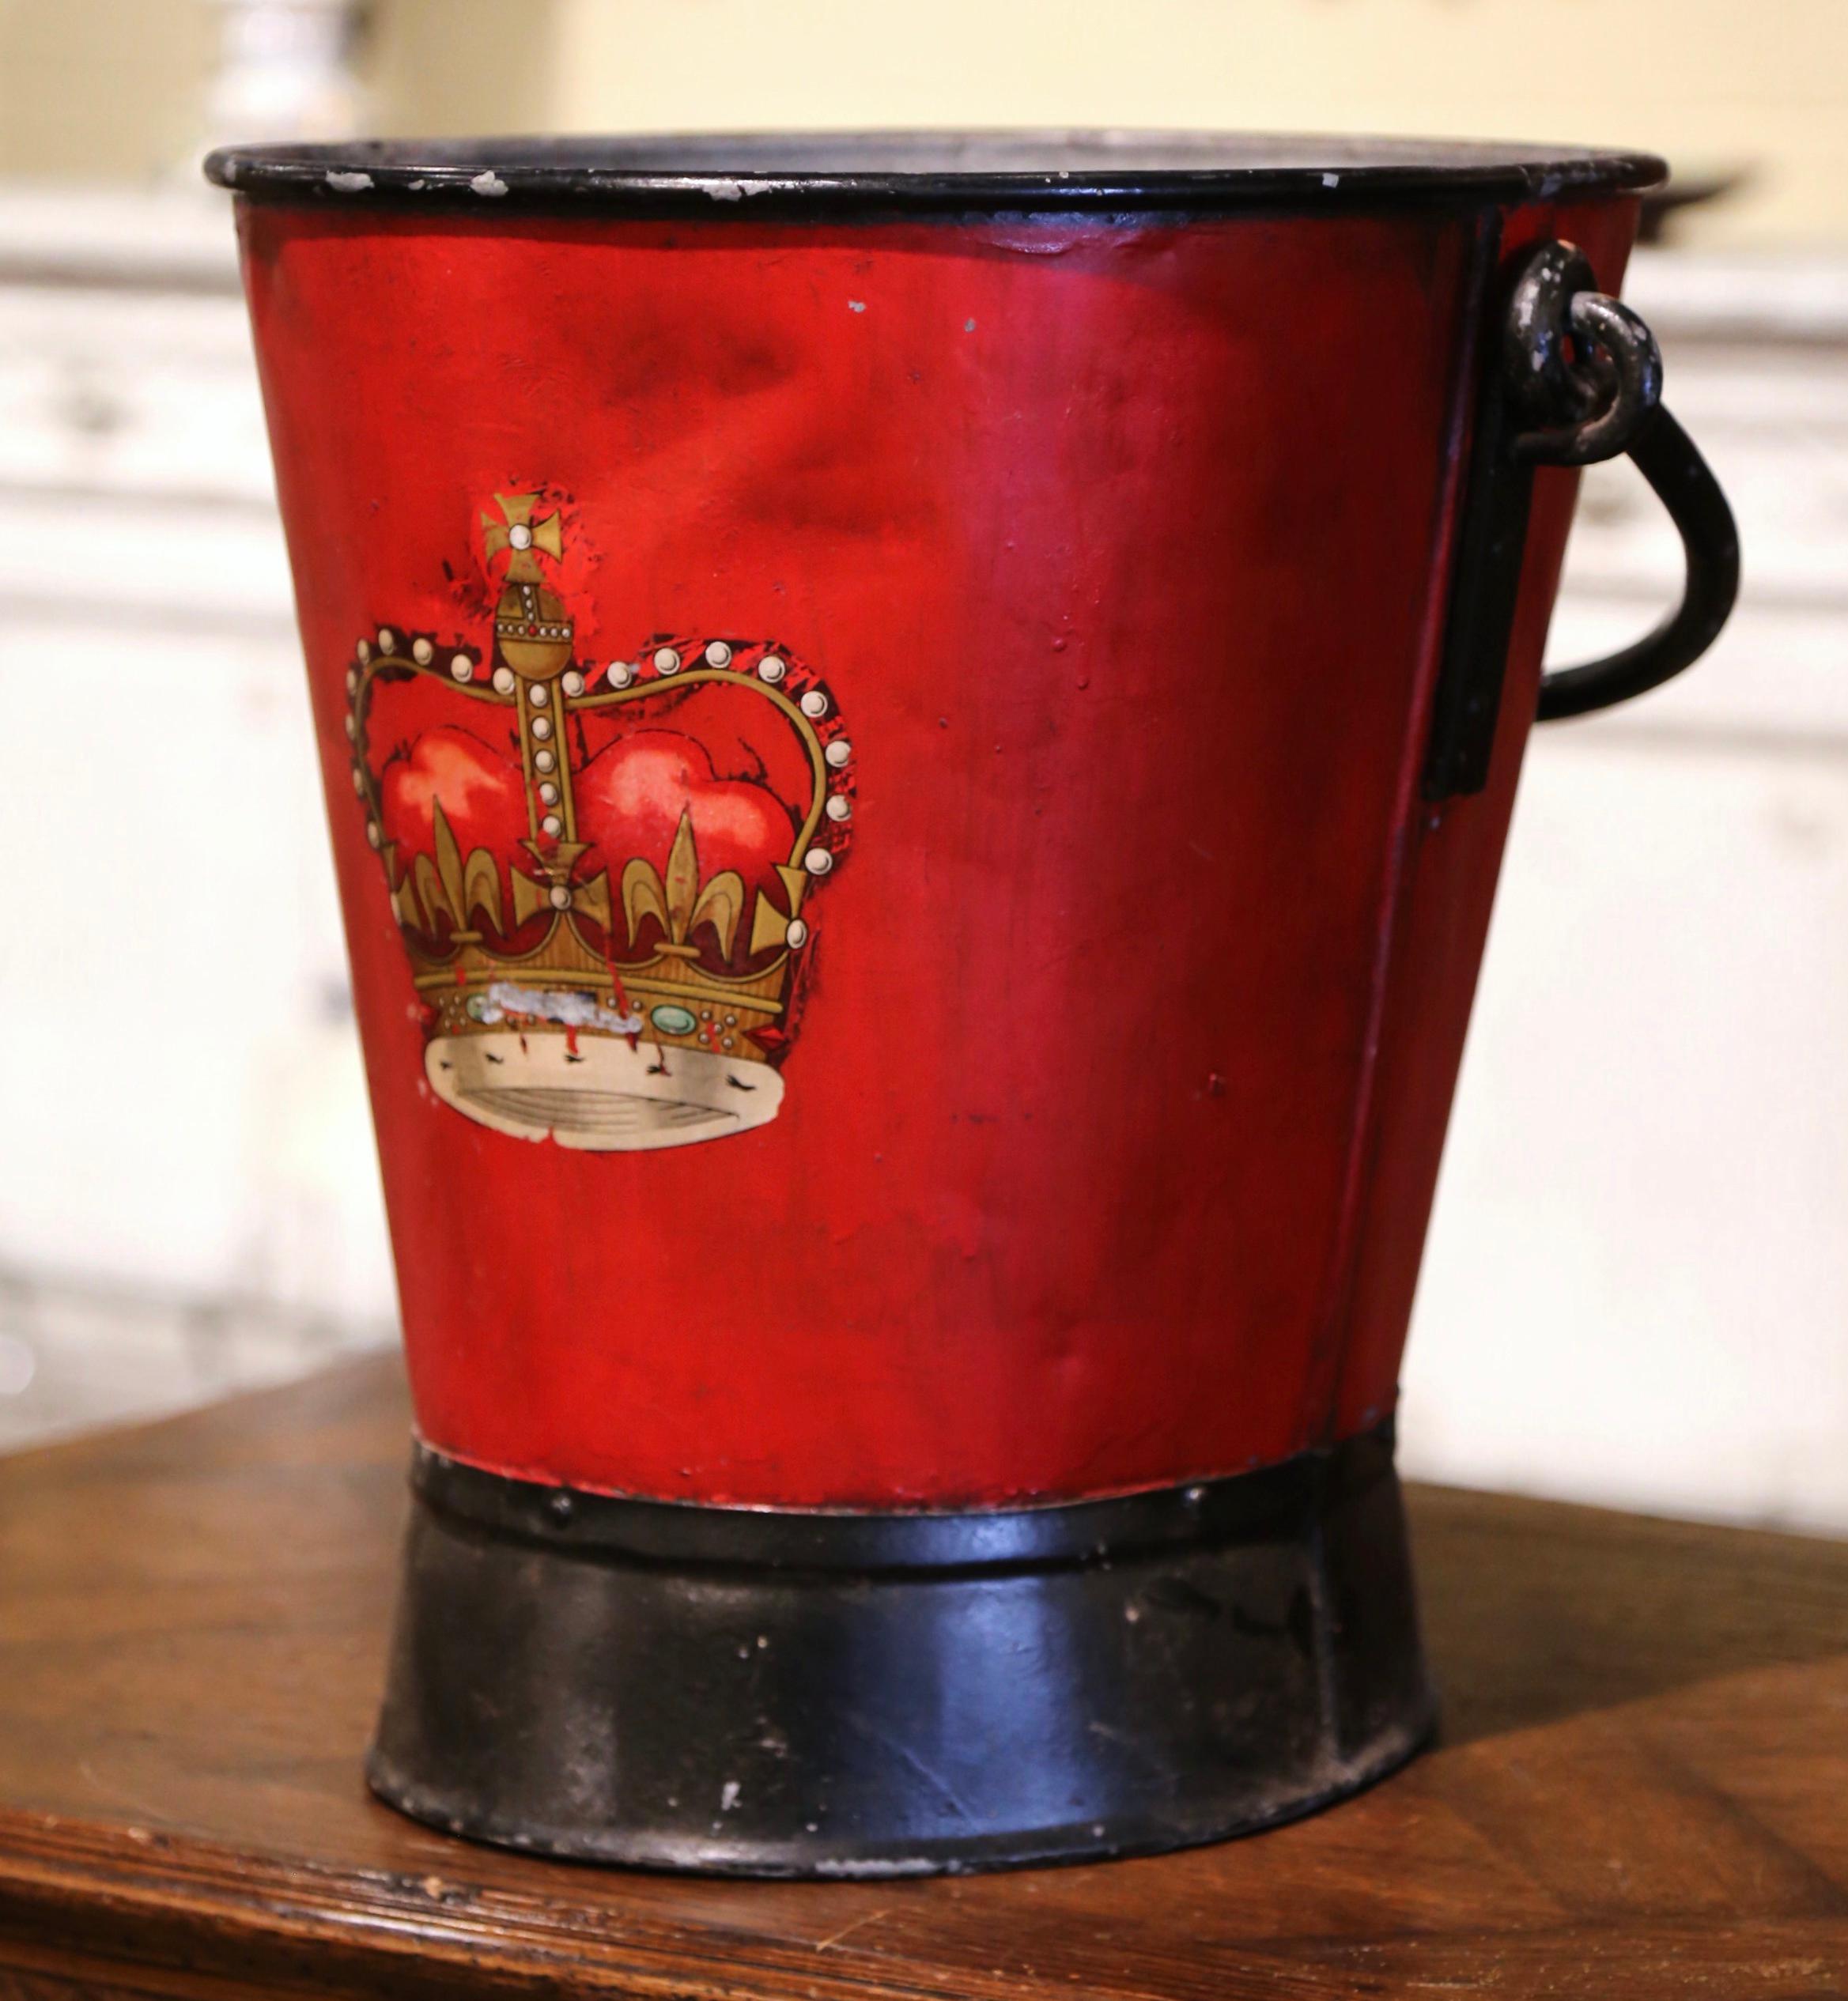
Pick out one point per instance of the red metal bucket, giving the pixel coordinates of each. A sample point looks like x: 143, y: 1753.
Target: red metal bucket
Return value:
x: 918, y: 735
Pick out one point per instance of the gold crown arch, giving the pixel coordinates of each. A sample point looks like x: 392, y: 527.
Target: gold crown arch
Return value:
x: 561, y: 1041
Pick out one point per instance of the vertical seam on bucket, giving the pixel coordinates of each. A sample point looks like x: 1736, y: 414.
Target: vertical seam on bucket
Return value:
x: 1329, y: 1353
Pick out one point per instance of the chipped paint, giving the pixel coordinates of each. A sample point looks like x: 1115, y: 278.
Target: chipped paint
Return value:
x: 348, y: 184
x: 726, y: 188
x: 508, y: 1000
x: 871, y: 1869
x: 856, y: 305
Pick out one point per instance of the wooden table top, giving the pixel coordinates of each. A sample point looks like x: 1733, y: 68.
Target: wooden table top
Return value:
x: 1642, y: 1788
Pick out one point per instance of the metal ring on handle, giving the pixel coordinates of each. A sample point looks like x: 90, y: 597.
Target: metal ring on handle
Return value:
x: 1618, y: 383
x: 1537, y: 354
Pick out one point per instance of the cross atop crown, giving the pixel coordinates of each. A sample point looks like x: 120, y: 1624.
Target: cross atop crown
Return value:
x: 518, y: 530
x: 532, y: 629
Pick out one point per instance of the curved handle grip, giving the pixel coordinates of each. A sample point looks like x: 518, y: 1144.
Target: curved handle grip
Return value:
x: 1668, y: 459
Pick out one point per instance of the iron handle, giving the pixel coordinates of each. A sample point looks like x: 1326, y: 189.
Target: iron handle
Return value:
x: 1608, y: 392
x: 1579, y: 380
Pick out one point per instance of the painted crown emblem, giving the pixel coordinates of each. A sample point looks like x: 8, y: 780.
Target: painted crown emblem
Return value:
x: 603, y: 872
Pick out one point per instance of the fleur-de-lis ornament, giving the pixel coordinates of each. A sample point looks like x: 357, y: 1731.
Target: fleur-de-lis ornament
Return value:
x: 680, y: 904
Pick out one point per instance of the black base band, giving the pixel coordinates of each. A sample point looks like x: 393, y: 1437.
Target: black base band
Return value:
x: 814, y: 1694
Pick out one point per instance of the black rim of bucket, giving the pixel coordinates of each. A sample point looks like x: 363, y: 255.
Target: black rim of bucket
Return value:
x: 756, y: 176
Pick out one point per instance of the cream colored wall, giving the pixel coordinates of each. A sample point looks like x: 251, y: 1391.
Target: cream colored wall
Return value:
x: 116, y: 86
x: 1713, y: 84
x: 452, y: 67
x: 102, y: 89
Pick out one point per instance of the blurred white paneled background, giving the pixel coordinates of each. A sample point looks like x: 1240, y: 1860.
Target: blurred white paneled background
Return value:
x: 1637, y: 1277
x: 1636, y: 1283
x: 188, y: 1197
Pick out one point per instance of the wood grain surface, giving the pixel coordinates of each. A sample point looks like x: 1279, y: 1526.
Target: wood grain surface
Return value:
x: 1642, y: 1788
